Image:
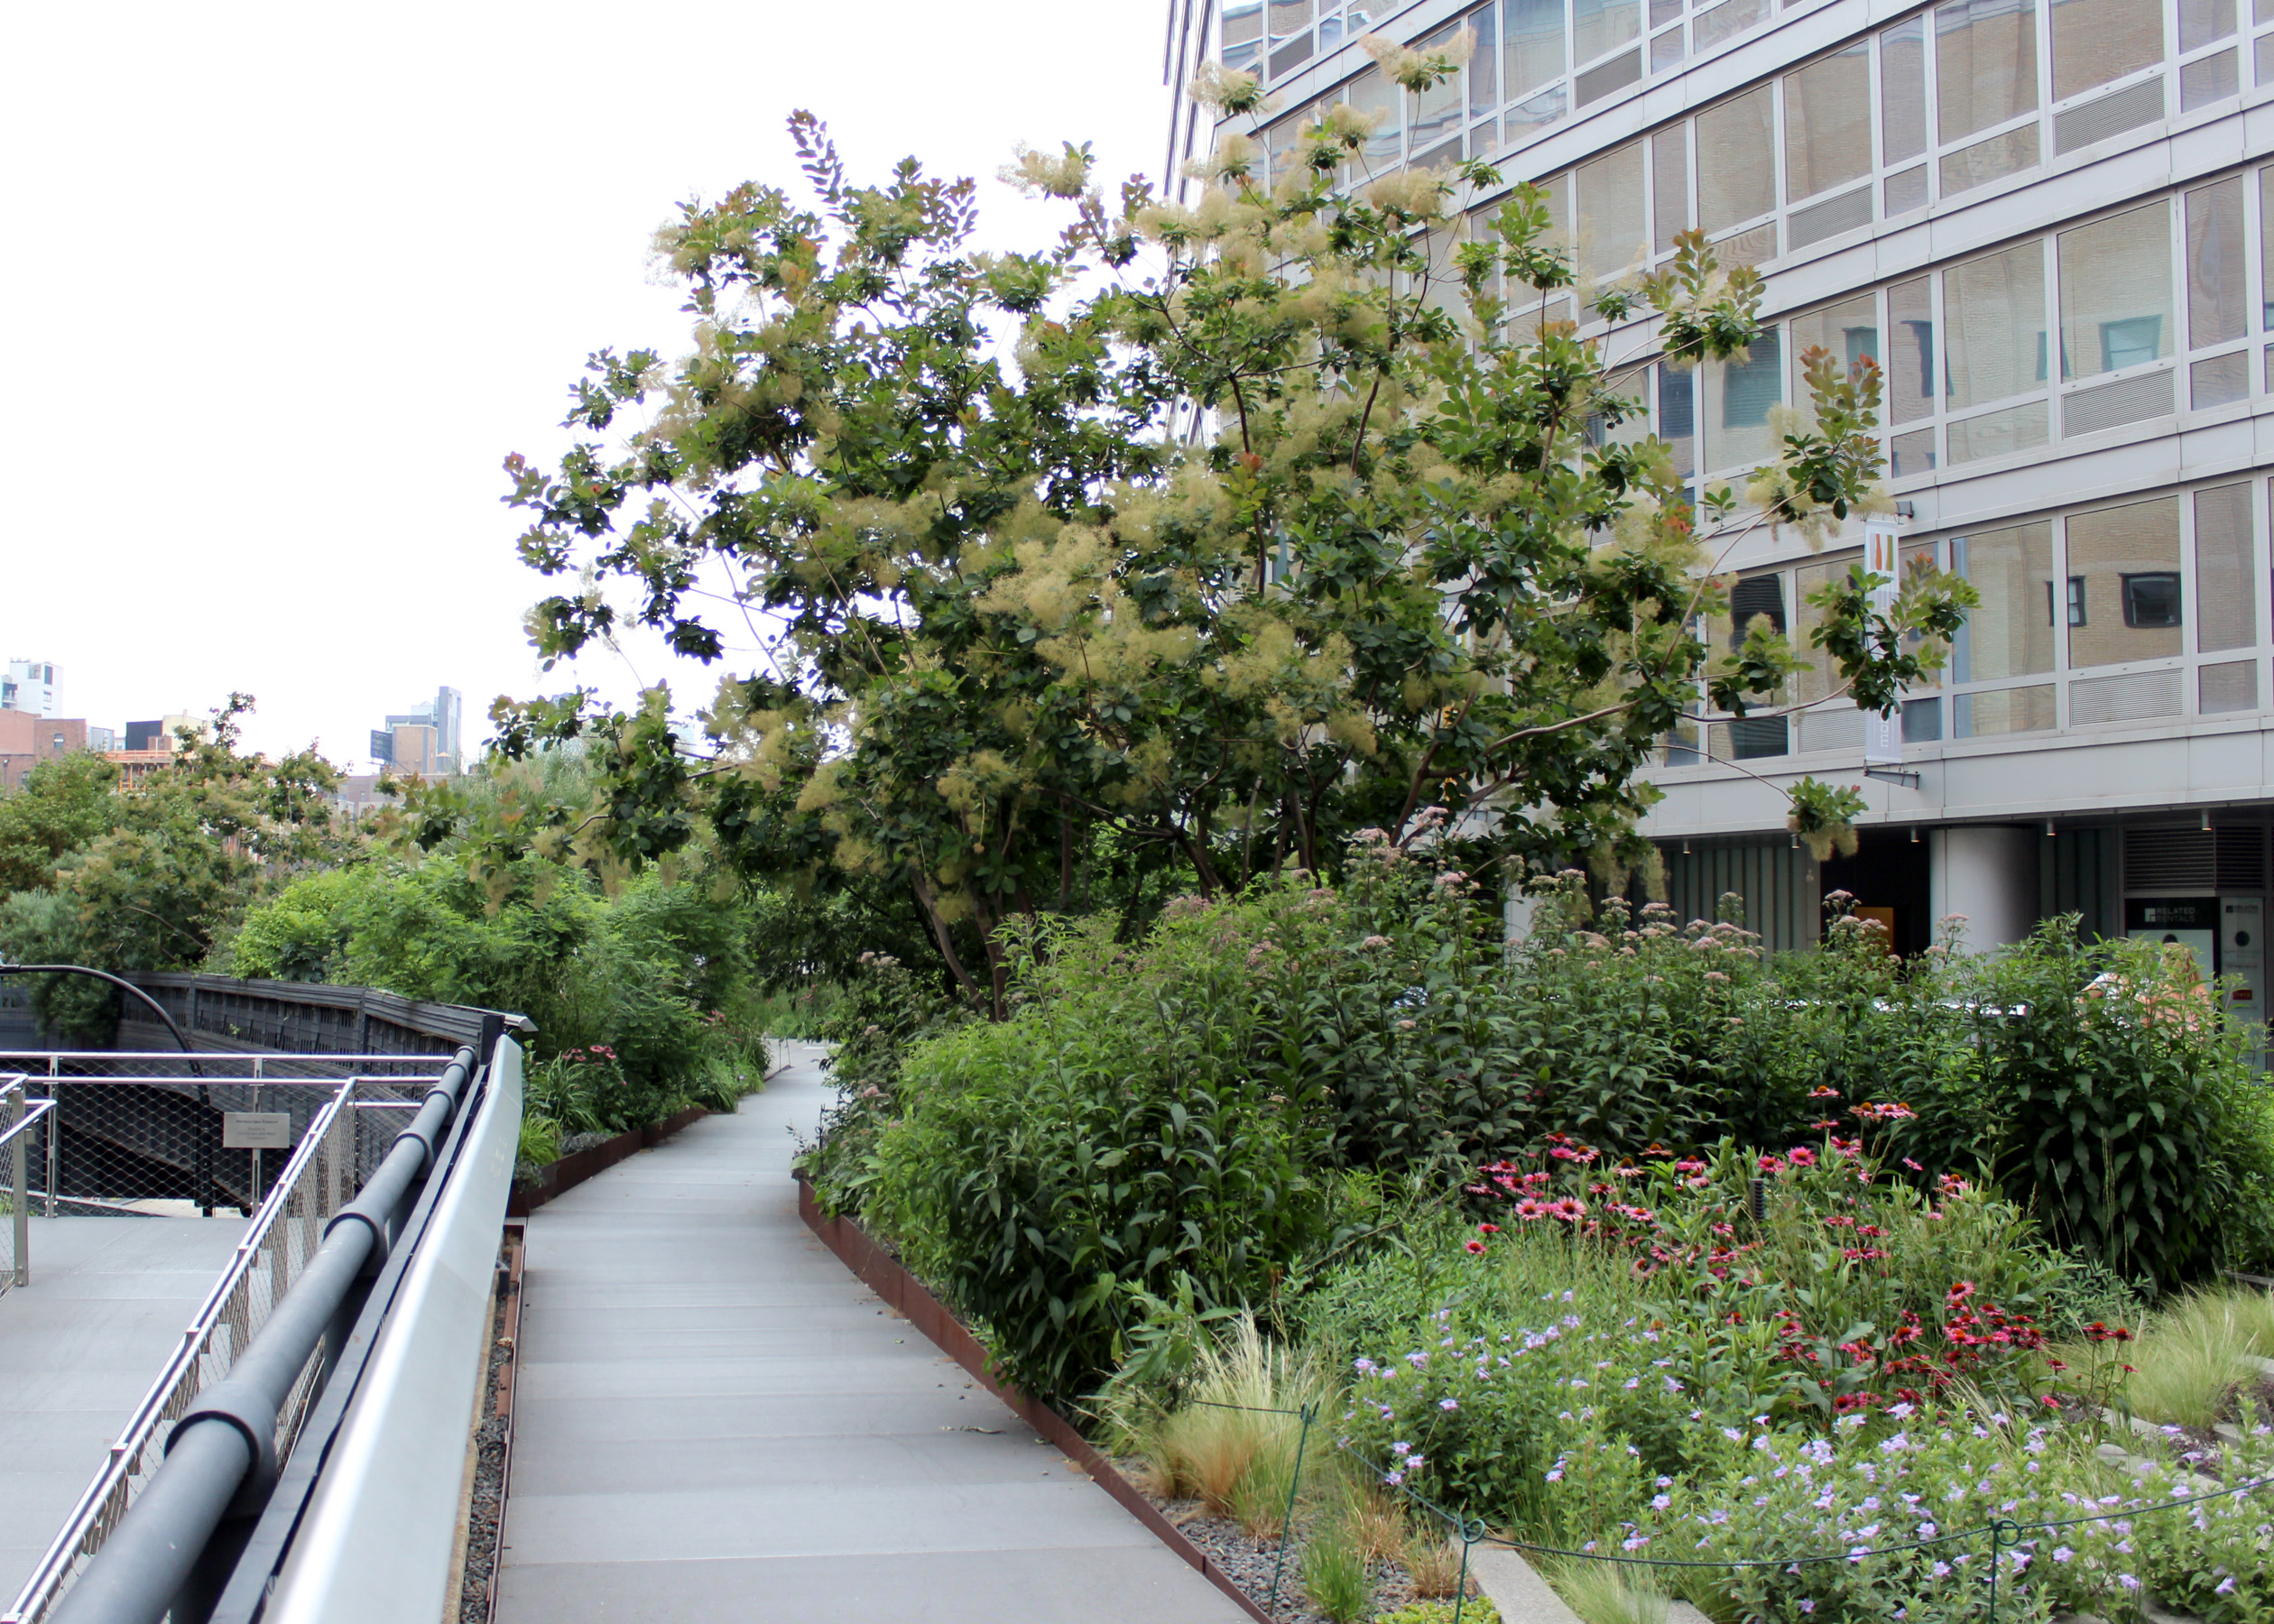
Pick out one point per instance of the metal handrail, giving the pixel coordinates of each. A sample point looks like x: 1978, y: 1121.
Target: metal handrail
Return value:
x: 227, y: 1313
x: 221, y: 1456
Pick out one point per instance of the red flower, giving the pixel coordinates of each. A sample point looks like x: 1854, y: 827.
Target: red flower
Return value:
x: 1488, y: 1229
x: 1474, y: 1248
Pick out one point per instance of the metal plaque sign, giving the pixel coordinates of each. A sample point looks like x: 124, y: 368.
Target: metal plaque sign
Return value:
x: 256, y: 1131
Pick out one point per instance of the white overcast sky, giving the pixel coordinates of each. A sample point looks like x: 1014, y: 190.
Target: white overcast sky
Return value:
x: 282, y: 284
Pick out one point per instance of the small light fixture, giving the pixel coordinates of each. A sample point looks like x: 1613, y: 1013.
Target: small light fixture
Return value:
x: 1686, y: 851
x: 2049, y: 830
x: 1914, y: 833
x: 1796, y: 843
x: 1903, y: 509
x: 2207, y: 820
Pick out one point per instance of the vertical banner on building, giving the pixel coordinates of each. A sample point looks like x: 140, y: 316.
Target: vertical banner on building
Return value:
x: 1883, y: 735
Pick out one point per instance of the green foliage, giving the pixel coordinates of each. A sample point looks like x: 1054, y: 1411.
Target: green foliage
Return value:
x: 1335, y: 1573
x: 642, y: 1003
x: 1131, y: 1131
x: 42, y: 927
x: 157, y: 876
x: 2130, y: 1118
x: 1033, y: 624
x: 1476, y: 1610
x: 61, y: 805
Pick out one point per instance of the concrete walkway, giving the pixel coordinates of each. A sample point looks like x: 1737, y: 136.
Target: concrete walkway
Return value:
x: 79, y: 1346
x: 715, y: 1420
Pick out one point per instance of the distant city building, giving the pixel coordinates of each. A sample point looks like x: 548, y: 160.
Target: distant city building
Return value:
x: 424, y: 742
x: 28, y: 686
x: 27, y: 739
x: 358, y: 795
x: 160, y: 733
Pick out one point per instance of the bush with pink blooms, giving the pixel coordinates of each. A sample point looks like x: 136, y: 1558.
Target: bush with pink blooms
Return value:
x: 1674, y: 1302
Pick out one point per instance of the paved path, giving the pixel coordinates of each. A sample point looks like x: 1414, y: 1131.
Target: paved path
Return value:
x: 79, y: 1346
x: 715, y: 1420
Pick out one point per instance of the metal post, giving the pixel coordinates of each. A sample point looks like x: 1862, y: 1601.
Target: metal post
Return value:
x: 19, y: 1205
x: 1997, y: 1540
x: 55, y: 1134
x: 1287, y: 1524
x: 1471, y: 1532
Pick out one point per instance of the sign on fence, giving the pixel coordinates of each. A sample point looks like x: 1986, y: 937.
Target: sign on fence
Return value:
x: 256, y: 1131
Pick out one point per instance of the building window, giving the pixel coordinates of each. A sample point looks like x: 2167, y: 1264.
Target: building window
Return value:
x: 2151, y: 601
x: 2129, y: 557
x: 2010, y: 569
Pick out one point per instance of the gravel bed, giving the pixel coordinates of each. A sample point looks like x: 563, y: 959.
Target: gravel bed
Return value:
x: 1248, y: 1562
x: 486, y: 1513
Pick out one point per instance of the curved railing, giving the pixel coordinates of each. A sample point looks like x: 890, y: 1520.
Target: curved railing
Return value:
x: 339, y: 1350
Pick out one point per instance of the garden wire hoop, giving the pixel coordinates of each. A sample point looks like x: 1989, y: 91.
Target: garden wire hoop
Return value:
x: 1308, y: 1414
x: 2003, y: 1533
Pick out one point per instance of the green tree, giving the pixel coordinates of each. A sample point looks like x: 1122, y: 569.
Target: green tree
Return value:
x: 1212, y: 533
x: 61, y: 805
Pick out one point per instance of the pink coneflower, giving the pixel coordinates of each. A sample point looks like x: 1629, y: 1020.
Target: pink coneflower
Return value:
x: 1801, y: 1156
x: 1532, y: 1207
x: 1476, y: 1249
x: 1569, y: 1208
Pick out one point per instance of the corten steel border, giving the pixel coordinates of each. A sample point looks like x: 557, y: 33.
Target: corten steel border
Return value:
x: 559, y: 1178
x: 884, y: 1274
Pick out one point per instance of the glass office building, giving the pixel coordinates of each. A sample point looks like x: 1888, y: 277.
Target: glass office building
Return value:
x: 2051, y: 223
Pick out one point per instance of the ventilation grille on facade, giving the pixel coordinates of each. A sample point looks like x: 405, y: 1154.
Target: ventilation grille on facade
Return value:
x: 2130, y: 699
x: 2089, y: 410
x: 1829, y: 218
x: 2110, y: 115
x: 2185, y: 858
x: 2170, y: 859
x: 2232, y: 687
x: 2242, y: 859
x: 1831, y: 730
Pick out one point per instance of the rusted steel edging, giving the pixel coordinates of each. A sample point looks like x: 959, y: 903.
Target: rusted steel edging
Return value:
x: 883, y: 1273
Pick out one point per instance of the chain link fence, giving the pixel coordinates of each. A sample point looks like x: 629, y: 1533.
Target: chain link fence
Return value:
x: 148, y: 1135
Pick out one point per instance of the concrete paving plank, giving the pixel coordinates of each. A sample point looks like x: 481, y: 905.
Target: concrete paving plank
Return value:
x: 1108, y: 1585
x: 79, y: 1346
x: 715, y: 1420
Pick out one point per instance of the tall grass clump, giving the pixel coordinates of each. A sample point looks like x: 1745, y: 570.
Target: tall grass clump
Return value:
x: 1230, y: 1440
x: 2192, y: 1357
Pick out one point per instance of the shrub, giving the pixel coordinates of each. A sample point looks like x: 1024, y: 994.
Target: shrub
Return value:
x: 1061, y: 1173
x: 2131, y: 1121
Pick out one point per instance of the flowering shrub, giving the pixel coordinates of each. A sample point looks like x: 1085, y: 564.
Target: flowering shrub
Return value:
x: 1874, y: 1291
x: 1903, y: 1517
x: 2215, y: 1559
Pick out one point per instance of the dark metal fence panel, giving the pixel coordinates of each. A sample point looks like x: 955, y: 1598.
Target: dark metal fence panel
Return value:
x: 301, y: 1017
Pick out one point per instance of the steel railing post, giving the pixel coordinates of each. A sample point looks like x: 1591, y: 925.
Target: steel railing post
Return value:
x: 18, y: 1195
x: 54, y: 1134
